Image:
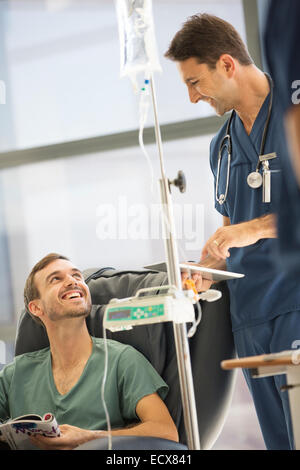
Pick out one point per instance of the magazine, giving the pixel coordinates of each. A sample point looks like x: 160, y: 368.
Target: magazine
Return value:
x: 16, y: 432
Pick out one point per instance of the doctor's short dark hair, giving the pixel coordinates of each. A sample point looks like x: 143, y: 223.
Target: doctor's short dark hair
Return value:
x: 30, y: 290
x: 206, y: 37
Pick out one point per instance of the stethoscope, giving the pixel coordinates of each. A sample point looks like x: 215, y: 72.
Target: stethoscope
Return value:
x: 255, y: 179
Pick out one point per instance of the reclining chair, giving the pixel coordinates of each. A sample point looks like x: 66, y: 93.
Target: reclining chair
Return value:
x: 212, y: 342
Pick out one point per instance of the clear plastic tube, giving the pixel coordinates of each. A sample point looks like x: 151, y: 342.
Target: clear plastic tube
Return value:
x: 195, y: 324
x: 103, y: 390
x: 144, y: 106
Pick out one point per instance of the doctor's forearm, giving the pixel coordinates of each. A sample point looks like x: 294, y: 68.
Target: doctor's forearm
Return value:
x: 237, y: 236
x: 213, y: 263
x: 264, y: 226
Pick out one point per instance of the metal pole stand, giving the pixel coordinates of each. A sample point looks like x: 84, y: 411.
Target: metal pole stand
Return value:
x: 174, y: 275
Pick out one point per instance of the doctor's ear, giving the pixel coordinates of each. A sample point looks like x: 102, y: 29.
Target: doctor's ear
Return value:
x: 227, y: 64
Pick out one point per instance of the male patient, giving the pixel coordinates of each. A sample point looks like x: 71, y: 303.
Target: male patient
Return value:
x: 66, y: 379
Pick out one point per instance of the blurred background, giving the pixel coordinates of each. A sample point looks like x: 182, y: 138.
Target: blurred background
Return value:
x: 73, y: 179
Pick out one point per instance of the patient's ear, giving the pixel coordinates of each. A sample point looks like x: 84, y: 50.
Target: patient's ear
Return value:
x: 35, y: 309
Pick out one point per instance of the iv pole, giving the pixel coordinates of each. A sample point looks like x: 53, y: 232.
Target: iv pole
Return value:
x: 174, y: 276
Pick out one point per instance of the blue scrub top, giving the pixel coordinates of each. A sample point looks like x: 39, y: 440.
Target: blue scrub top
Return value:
x: 266, y: 291
x: 282, y: 49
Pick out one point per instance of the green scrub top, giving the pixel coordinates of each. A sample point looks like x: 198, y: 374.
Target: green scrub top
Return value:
x: 27, y: 387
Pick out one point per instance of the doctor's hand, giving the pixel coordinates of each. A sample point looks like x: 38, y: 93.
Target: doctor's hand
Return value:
x: 231, y: 236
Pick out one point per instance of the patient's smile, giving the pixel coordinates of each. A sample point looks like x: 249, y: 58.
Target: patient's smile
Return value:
x: 72, y: 295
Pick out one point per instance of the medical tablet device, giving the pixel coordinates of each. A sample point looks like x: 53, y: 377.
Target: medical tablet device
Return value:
x: 206, y: 273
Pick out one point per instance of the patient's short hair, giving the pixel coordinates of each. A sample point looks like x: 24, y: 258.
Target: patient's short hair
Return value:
x: 30, y: 290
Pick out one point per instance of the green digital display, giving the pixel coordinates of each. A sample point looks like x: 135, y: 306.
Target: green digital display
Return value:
x: 135, y: 313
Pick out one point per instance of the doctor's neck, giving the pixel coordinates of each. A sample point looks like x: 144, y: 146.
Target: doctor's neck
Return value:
x: 253, y: 88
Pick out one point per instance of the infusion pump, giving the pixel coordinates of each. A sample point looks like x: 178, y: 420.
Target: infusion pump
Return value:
x: 145, y: 308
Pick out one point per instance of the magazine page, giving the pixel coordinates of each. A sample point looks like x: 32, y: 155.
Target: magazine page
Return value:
x: 17, y: 432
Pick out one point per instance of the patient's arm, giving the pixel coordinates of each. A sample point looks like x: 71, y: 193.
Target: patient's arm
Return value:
x: 155, y: 421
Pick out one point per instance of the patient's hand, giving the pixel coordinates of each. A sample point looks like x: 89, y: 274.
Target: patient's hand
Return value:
x: 70, y: 437
x: 200, y: 283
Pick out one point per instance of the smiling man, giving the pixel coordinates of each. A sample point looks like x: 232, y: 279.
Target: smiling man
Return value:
x: 66, y: 379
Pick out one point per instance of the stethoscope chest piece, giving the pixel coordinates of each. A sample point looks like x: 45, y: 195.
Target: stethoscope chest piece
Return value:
x: 221, y: 199
x: 254, y: 179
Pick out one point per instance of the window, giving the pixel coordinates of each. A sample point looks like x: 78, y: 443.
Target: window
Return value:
x: 61, y: 67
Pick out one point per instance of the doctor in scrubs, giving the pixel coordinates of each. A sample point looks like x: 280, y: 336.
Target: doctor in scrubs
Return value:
x: 245, y: 158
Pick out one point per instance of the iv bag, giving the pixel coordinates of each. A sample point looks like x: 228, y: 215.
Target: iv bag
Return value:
x: 137, y: 40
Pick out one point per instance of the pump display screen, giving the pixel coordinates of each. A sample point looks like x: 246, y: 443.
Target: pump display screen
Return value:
x: 119, y: 314
x: 135, y: 313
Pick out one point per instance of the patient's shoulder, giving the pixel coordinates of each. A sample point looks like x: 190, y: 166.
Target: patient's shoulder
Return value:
x: 112, y: 345
x: 114, y: 348
x: 33, y: 356
x: 25, y: 360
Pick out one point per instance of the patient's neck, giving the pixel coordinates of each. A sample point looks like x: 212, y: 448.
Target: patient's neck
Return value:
x: 70, y: 343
